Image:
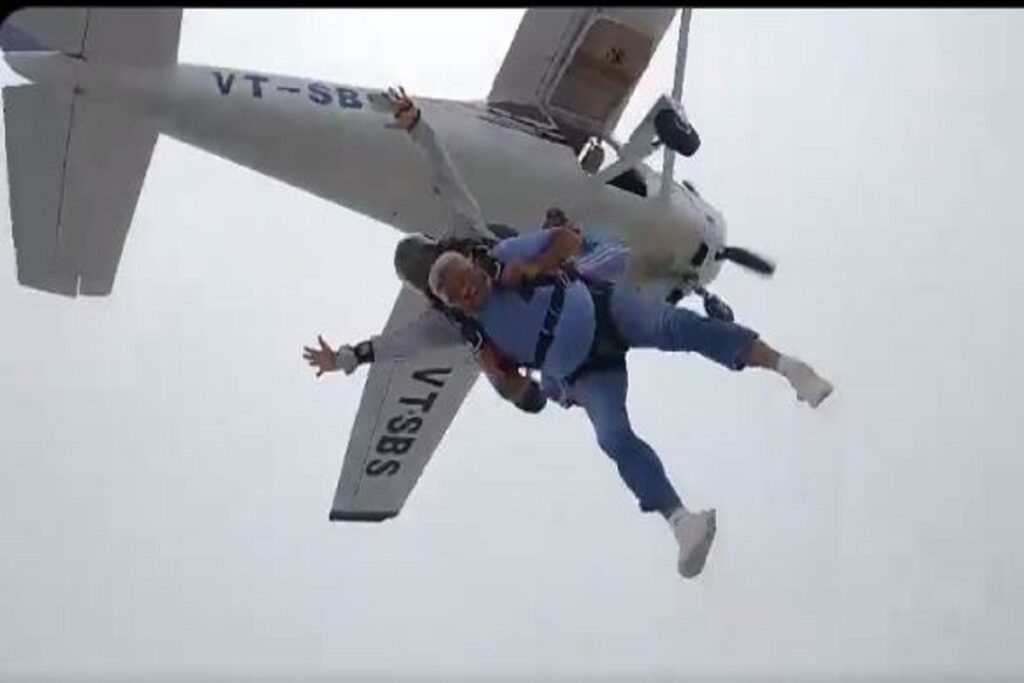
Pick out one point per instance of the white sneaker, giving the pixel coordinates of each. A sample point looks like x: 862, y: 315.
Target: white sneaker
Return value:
x: 694, y: 533
x: 809, y: 386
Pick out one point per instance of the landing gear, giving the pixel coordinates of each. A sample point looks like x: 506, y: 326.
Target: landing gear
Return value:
x: 714, y: 307
x: 677, y: 133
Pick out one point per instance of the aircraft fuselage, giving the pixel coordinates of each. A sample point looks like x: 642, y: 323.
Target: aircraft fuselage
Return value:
x: 338, y: 142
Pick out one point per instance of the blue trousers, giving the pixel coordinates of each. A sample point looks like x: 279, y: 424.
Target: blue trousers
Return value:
x: 644, y: 323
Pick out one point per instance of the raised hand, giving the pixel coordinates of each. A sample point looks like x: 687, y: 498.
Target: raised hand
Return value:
x: 407, y: 114
x: 517, y: 272
x: 324, y: 358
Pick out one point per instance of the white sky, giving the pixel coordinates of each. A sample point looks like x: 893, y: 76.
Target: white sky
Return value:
x: 167, y: 460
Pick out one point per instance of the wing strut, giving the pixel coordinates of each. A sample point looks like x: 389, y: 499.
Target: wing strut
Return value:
x: 668, y: 167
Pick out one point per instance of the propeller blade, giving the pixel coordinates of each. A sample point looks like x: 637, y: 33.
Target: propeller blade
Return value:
x: 748, y: 259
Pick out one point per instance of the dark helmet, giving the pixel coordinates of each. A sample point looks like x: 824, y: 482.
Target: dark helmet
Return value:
x: 414, y: 256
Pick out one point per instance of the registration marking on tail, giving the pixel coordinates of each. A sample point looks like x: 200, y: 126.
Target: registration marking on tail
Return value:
x: 317, y: 93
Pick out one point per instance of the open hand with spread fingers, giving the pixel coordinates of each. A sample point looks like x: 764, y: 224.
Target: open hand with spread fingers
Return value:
x: 325, y: 359
x: 407, y: 114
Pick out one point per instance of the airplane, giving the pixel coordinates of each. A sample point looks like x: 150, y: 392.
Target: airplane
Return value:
x: 105, y: 82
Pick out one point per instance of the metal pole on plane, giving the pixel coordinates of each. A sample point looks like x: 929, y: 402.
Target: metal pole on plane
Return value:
x: 668, y: 165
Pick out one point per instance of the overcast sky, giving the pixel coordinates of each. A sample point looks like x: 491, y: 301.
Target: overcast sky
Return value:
x: 167, y: 460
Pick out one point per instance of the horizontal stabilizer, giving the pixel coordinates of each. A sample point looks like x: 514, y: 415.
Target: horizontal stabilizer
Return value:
x: 76, y: 165
x: 45, y: 28
x: 137, y: 36
x: 13, y: 39
x: 75, y: 170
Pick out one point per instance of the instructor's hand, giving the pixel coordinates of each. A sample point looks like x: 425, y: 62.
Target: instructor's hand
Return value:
x: 518, y: 271
x: 325, y: 359
x: 407, y: 114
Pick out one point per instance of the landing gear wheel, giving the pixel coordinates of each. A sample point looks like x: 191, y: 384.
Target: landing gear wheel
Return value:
x: 718, y: 309
x: 677, y: 134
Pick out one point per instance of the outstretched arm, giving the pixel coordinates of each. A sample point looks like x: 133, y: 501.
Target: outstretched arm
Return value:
x: 430, y: 330
x: 466, y: 217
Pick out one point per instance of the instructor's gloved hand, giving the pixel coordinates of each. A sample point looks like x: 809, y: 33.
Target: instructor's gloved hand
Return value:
x: 405, y: 111
x: 534, y: 400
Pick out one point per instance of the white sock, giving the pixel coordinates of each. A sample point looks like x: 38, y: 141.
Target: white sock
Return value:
x: 676, y: 514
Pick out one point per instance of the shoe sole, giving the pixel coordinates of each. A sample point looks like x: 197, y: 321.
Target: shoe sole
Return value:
x: 695, y: 563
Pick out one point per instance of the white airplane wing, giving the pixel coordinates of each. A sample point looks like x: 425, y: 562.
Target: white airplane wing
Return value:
x: 579, y: 65
x: 75, y: 167
x: 405, y: 410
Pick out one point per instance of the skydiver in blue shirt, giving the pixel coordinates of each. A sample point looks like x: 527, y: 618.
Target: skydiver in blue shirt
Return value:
x: 538, y: 314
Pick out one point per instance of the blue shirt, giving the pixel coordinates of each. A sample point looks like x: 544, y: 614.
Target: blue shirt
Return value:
x: 513, y: 322
x: 601, y: 257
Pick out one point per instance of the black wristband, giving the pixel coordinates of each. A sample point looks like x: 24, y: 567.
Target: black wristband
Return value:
x: 534, y: 400
x: 364, y: 352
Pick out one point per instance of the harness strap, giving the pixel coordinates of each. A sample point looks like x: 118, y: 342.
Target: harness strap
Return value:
x: 554, y: 313
x: 608, y: 350
x: 472, y: 331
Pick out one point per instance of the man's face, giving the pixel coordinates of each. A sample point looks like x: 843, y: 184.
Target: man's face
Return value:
x: 466, y: 286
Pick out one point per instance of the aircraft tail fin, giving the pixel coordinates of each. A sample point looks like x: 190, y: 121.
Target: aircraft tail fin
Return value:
x: 75, y: 171
x: 76, y: 166
x: 137, y: 36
